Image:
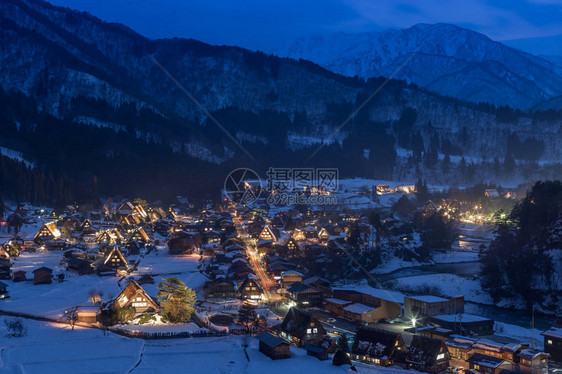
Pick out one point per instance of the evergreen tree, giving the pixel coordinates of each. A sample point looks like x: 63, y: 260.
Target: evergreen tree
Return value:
x: 446, y: 165
x: 497, y: 166
x: 376, y: 222
x: 509, y: 164
x: 176, y: 300
x: 436, y: 233
x: 463, y: 168
x: 354, y: 237
x: 404, y: 206
x: 422, y: 190
x: 15, y: 222
x: 247, y: 317
x: 2, y: 207
x: 342, y: 344
x: 519, y: 257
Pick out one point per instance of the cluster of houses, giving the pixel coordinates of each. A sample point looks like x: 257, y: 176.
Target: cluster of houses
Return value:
x: 435, y: 355
x: 104, y: 243
x: 296, y: 248
x: 488, y: 356
x: 288, y: 240
x: 506, y: 193
x: 444, y: 336
x: 284, y: 243
x: 430, y: 350
x: 133, y: 297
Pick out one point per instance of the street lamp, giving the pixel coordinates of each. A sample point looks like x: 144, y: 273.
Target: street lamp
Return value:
x: 413, y: 322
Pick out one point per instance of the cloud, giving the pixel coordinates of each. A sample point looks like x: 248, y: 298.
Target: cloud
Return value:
x: 497, y: 19
x: 263, y: 24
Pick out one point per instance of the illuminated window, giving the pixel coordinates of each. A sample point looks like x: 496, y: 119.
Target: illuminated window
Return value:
x: 308, y: 331
x: 441, y: 356
x: 315, y: 330
x: 549, y: 341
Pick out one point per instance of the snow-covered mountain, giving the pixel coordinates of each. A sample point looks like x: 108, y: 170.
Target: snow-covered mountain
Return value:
x: 447, y: 59
x: 55, y: 54
x: 102, y: 77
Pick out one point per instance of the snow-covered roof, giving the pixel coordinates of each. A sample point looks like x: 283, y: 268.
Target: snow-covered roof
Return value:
x: 233, y: 253
x: 555, y: 332
x: 375, y: 292
x: 530, y: 353
x: 459, y: 344
x: 463, y: 317
x: 428, y: 298
x: 338, y: 301
x: 358, y: 308
x: 486, y: 361
x: 269, y: 339
x: 88, y: 309
x: 289, y: 272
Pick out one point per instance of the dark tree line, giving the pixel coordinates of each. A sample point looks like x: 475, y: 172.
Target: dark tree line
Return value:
x: 20, y: 183
x: 517, y: 262
x: 147, y: 153
x: 436, y: 233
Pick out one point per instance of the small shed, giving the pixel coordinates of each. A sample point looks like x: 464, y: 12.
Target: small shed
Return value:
x: 273, y: 346
x: 43, y: 275
x: 81, y: 266
x: 146, y: 279
x: 88, y: 314
x: 320, y: 352
x: 5, y: 269
x: 19, y: 276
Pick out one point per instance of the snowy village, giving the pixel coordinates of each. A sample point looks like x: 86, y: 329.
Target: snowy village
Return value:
x: 253, y: 283
x: 273, y: 187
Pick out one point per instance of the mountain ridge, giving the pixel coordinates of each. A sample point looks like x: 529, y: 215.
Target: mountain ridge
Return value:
x: 448, y: 49
x: 80, y: 71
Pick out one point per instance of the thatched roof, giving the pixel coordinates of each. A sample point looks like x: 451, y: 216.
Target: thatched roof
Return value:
x: 375, y: 343
x: 423, y: 350
x: 296, y: 322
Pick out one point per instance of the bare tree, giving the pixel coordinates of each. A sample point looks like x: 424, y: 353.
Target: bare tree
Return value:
x: 96, y: 296
x: 15, y: 327
x: 71, y: 315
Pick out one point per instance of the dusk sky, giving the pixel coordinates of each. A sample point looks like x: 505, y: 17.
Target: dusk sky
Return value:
x: 264, y: 24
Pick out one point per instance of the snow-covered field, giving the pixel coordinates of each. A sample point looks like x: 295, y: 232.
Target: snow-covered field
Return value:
x: 447, y: 285
x: 392, y: 263
x: 449, y: 257
x: 51, y: 300
x: 519, y: 333
x: 57, y: 349
x: 53, y: 348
